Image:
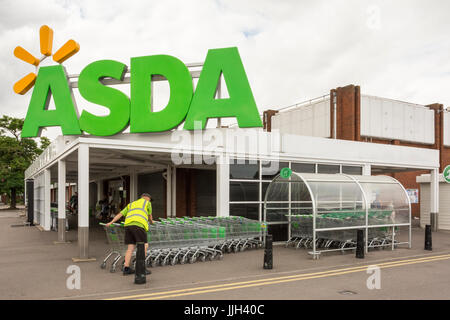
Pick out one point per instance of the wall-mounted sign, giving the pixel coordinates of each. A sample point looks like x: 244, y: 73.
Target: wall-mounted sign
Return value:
x: 184, y: 104
x: 285, y: 173
x: 413, y: 195
x: 446, y: 174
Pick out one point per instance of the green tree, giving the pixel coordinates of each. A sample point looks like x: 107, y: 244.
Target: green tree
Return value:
x: 16, y: 155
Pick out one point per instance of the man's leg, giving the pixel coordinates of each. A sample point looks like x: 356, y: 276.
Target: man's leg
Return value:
x: 128, y: 254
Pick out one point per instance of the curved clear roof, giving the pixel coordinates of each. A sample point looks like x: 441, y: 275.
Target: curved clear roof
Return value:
x: 356, y: 200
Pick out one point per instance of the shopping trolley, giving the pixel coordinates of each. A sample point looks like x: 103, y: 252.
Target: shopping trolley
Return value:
x: 115, y: 235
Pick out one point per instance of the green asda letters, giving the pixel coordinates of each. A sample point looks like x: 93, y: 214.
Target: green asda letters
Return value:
x: 241, y: 103
x: 51, y: 80
x: 181, y: 89
x: 183, y: 104
x: 116, y: 101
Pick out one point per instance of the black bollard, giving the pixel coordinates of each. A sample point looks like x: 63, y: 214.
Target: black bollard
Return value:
x: 268, y: 256
x: 140, y: 277
x: 30, y: 201
x: 360, y: 244
x: 428, y: 243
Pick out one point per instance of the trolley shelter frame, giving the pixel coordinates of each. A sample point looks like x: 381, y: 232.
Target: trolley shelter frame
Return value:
x: 283, y: 196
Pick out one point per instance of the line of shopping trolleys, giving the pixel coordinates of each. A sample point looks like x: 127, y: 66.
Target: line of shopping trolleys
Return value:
x: 302, y: 229
x: 188, y: 239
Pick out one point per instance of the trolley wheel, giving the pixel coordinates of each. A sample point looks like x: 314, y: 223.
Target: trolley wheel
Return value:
x: 241, y: 248
x: 103, y: 265
x: 203, y: 258
x: 183, y: 260
x: 153, y: 263
x: 219, y: 256
x: 113, y: 269
x: 212, y: 256
x: 173, y: 261
x: 192, y: 259
x: 235, y: 249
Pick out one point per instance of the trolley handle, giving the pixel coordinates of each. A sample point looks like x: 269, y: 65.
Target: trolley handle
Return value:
x: 114, y: 224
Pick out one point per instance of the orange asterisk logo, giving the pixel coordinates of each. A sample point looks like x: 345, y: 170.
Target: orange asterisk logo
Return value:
x: 46, y: 37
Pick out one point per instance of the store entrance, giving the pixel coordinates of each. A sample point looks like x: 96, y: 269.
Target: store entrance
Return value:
x: 117, y: 193
x: 195, y: 192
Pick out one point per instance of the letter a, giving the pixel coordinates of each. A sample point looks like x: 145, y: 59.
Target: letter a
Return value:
x: 240, y: 104
x: 50, y: 81
x: 374, y: 281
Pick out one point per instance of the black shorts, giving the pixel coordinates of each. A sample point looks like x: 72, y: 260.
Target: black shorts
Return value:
x: 135, y: 234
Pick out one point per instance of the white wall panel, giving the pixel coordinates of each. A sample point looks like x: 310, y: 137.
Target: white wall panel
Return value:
x: 446, y: 128
x: 391, y: 119
x: 359, y: 152
x: 306, y: 120
x: 444, y: 205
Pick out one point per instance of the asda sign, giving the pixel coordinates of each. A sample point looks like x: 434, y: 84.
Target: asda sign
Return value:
x: 135, y: 110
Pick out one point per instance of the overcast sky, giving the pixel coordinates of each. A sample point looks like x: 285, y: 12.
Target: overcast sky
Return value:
x: 291, y: 50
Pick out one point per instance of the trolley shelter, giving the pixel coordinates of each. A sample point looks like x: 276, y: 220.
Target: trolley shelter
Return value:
x: 324, y: 211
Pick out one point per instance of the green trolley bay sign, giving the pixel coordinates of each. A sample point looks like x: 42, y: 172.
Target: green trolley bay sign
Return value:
x: 285, y: 173
x: 446, y: 174
x: 135, y: 111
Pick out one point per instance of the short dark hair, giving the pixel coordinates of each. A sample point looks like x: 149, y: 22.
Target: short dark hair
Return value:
x: 146, y: 195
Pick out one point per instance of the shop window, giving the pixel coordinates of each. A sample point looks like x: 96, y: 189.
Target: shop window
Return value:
x: 248, y: 170
x: 153, y: 183
x: 270, y: 169
x: 264, y: 186
x: 279, y: 232
x: 326, y: 168
x: 249, y: 211
x: 205, y: 184
x: 352, y: 170
x: 244, y: 191
x: 303, y: 167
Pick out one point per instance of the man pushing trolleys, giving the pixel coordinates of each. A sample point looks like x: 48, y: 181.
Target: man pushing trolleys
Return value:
x: 137, y: 216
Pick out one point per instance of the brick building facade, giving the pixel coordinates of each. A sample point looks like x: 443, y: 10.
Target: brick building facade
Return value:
x: 348, y: 127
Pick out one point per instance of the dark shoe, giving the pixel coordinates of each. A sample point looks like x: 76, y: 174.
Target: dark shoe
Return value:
x: 127, y: 271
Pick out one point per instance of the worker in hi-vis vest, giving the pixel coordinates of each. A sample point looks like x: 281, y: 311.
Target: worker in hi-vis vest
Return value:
x: 137, y: 216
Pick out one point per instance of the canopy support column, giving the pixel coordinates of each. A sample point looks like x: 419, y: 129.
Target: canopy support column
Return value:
x: 47, y: 217
x: 222, y: 186
x: 61, y: 201
x: 83, y: 204
x: 133, y: 186
x: 174, y: 192
x: 367, y: 170
x: 434, y: 201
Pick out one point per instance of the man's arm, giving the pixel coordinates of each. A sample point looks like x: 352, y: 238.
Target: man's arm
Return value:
x: 149, y: 210
x: 151, y: 219
x: 117, y: 217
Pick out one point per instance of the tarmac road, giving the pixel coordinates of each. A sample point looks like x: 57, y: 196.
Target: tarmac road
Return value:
x: 424, y: 277
x: 33, y: 267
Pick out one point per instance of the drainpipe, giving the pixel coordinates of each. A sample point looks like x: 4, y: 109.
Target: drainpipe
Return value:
x: 334, y: 97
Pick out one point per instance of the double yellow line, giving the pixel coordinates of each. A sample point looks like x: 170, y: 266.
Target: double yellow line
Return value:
x: 269, y: 281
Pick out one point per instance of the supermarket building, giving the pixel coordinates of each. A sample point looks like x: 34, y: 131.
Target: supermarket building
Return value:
x: 219, y: 171
x: 219, y: 185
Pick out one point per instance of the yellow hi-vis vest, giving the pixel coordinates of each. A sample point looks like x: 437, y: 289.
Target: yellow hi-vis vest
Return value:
x: 137, y: 212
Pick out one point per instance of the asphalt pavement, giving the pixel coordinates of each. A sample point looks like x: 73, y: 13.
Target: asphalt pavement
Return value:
x: 34, y: 267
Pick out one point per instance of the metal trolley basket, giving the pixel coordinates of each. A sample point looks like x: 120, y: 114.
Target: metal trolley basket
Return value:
x: 302, y: 227
x: 115, y: 235
x: 188, y: 239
